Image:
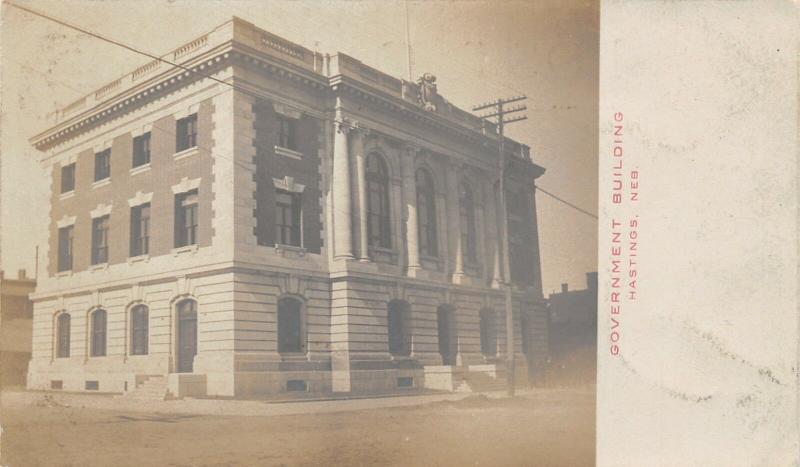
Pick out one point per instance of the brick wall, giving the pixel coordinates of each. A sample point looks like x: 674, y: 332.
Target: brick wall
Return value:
x: 270, y: 165
x: 164, y: 172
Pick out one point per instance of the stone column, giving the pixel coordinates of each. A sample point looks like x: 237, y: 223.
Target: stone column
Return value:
x: 410, y: 195
x: 358, y: 150
x: 454, y: 221
x: 342, y: 202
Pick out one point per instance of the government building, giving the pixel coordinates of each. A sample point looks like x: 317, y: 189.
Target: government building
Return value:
x: 264, y: 219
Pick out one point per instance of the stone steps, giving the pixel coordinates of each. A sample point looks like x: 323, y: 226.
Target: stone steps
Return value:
x: 480, y: 382
x: 154, y: 388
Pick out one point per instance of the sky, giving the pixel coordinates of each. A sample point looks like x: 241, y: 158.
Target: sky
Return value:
x: 478, y: 50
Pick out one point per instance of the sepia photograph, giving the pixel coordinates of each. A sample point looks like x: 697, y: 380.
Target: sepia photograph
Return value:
x: 340, y: 233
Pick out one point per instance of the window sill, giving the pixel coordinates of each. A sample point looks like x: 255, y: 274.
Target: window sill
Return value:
x: 140, y: 168
x: 67, y: 273
x: 103, y: 182
x: 295, y: 250
x: 185, y: 153
x: 294, y: 356
x: 67, y: 194
x: 290, y: 153
x: 185, y: 249
x: 145, y: 258
x: 98, y: 267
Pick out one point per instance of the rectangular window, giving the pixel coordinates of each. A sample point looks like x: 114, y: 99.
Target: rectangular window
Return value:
x: 296, y: 385
x: 141, y: 150
x: 102, y: 165
x: 186, y: 133
x: 286, y: 133
x: 100, y: 240
x: 140, y: 230
x: 186, y: 219
x: 65, y: 248
x: 405, y: 382
x: 92, y: 385
x: 287, y: 221
x: 68, y: 178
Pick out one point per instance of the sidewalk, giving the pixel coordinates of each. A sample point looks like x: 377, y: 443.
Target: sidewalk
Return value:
x: 22, y: 398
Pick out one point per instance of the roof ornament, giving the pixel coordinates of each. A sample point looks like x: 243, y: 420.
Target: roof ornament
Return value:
x: 427, y: 91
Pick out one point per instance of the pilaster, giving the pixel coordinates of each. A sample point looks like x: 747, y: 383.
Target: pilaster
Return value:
x: 342, y: 199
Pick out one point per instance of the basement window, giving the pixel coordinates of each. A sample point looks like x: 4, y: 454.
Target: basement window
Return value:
x: 405, y: 382
x: 92, y: 385
x: 296, y: 385
x: 56, y: 384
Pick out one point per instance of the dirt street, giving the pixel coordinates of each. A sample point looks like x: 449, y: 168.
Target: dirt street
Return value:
x: 546, y: 428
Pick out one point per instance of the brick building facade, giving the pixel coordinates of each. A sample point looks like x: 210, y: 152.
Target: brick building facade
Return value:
x: 267, y: 218
x: 16, y: 321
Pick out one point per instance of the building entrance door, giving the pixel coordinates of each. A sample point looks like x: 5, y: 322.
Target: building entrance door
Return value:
x: 445, y: 330
x: 187, y: 335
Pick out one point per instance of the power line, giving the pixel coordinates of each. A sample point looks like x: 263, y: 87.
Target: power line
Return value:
x: 129, y: 47
x: 565, y: 202
x: 238, y: 88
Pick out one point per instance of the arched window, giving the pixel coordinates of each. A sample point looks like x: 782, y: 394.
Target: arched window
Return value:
x: 466, y: 208
x: 291, y: 338
x: 379, y: 227
x: 99, y: 323
x: 397, y: 323
x: 426, y: 212
x: 488, y: 333
x: 62, y: 335
x: 139, y: 330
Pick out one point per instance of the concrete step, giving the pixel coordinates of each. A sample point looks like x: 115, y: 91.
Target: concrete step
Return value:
x: 153, y: 388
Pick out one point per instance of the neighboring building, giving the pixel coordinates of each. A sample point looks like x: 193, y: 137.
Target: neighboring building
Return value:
x: 16, y: 324
x: 573, y: 332
x: 322, y: 227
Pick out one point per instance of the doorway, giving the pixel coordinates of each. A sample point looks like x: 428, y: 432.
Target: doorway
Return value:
x: 445, y: 330
x: 187, y: 335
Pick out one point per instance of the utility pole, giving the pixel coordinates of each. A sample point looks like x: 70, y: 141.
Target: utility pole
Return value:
x: 499, y: 113
x: 408, y: 44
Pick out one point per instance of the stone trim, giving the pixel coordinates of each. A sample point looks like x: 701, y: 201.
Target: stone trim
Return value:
x: 287, y: 111
x: 186, y: 153
x: 185, y: 185
x: 139, y: 169
x: 286, y: 152
x: 185, y: 249
x: 65, y: 221
x: 186, y: 111
x: 66, y: 194
x: 288, y: 184
x: 99, y: 147
x: 148, y: 127
x: 101, y: 210
x: 140, y: 198
x: 101, y: 183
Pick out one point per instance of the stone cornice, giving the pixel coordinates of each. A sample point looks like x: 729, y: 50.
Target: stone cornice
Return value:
x: 240, y: 43
x: 130, y: 100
